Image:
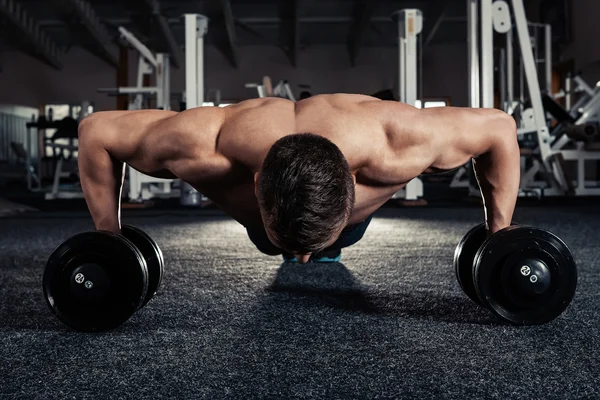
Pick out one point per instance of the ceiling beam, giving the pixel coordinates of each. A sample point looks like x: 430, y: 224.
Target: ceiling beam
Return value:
x: 289, y: 28
x: 222, y: 30
x: 231, y: 43
x: 436, y: 26
x: 90, y: 31
x: 362, y: 14
x: 166, y: 41
x: 37, y: 42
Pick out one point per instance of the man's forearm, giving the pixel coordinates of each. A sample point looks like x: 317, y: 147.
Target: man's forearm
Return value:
x: 101, y: 179
x: 498, y: 173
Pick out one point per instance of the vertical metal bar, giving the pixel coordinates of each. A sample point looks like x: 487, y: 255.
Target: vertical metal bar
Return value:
x: 535, y: 46
x: 159, y: 81
x: 402, y: 57
x: 473, y: 52
x: 521, y: 82
x: 568, y: 92
x: 411, y: 56
x: 409, y: 26
x: 200, y: 70
x: 57, y: 174
x: 138, y: 99
x: 167, y: 81
x: 487, y: 55
x: 420, y: 65
x: 196, y: 26
x: 503, y: 102
x: 533, y: 84
x: 191, y: 59
x: 548, y: 56
x: 510, y: 76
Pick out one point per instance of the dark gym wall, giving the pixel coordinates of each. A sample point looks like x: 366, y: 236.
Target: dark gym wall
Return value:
x: 26, y: 81
x: 585, y: 30
x: 327, y: 69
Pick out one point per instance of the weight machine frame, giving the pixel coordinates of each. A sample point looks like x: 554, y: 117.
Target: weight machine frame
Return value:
x: 148, y: 64
x: 196, y: 27
x: 410, y: 25
x: 143, y: 187
x: 547, y: 159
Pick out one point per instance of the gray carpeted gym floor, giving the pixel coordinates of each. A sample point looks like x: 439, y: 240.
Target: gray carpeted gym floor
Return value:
x: 228, y: 322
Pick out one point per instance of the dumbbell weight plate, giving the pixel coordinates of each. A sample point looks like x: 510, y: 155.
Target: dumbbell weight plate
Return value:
x: 152, y: 254
x: 503, y: 275
x: 95, y: 281
x: 464, y: 255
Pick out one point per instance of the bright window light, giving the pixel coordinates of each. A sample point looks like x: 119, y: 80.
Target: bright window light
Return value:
x: 211, y: 104
x: 435, y: 103
x: 430, y: 103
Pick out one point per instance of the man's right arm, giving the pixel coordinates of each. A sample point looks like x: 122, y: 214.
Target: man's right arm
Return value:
x: 101, y: 175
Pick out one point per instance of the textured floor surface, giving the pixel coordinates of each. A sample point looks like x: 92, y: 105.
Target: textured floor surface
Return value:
x: 228, y: 322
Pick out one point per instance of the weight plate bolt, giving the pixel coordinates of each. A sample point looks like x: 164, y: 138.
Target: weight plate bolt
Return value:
x: 79, y: 278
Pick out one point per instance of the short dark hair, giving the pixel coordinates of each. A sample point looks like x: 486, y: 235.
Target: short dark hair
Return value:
x: 306, y: 191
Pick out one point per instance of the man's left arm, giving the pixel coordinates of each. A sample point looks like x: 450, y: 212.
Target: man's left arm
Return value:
x: 498, y: 173
x: 489, y: 137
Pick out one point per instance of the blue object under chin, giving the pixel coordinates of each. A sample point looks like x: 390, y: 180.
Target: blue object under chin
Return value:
x: 327, y: 259
x: 315, y: 260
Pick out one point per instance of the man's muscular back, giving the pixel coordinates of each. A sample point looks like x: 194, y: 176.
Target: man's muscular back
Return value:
x: 218, y: 150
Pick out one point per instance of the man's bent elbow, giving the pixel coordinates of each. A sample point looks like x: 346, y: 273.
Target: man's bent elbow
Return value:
x: 93, y: 132
x: 506, y: 127
x: 87, y: 126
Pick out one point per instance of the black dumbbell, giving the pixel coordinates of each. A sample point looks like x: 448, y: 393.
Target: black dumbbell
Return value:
x: 152, y: 254
x: 95, y: 281
x: 525, y: 275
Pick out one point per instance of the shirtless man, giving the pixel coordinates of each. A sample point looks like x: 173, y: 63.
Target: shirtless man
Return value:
x: 303, y: 178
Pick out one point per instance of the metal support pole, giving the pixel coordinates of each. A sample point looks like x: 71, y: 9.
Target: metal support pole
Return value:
x: 163, y: 98
x: 503, y: 89
x: 419, y: 94
x: 138, y: 45
x: 533, y: 32
x: 548, y: 56
x: 521, y: 83
x: 529, y: 64
x: 159, y: 78
x: 487, y: 55
x: 568, y: 92
x: 166, y: 81
x: 200, y: 64
x: 409, y: 26
x: 473, y: 52
x: 190, y: 60
x: 196, y: 26
x: 401, y: 58
x: 510, y: 74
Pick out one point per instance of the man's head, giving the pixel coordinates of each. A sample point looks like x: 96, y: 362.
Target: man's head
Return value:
x: 305, y: 191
